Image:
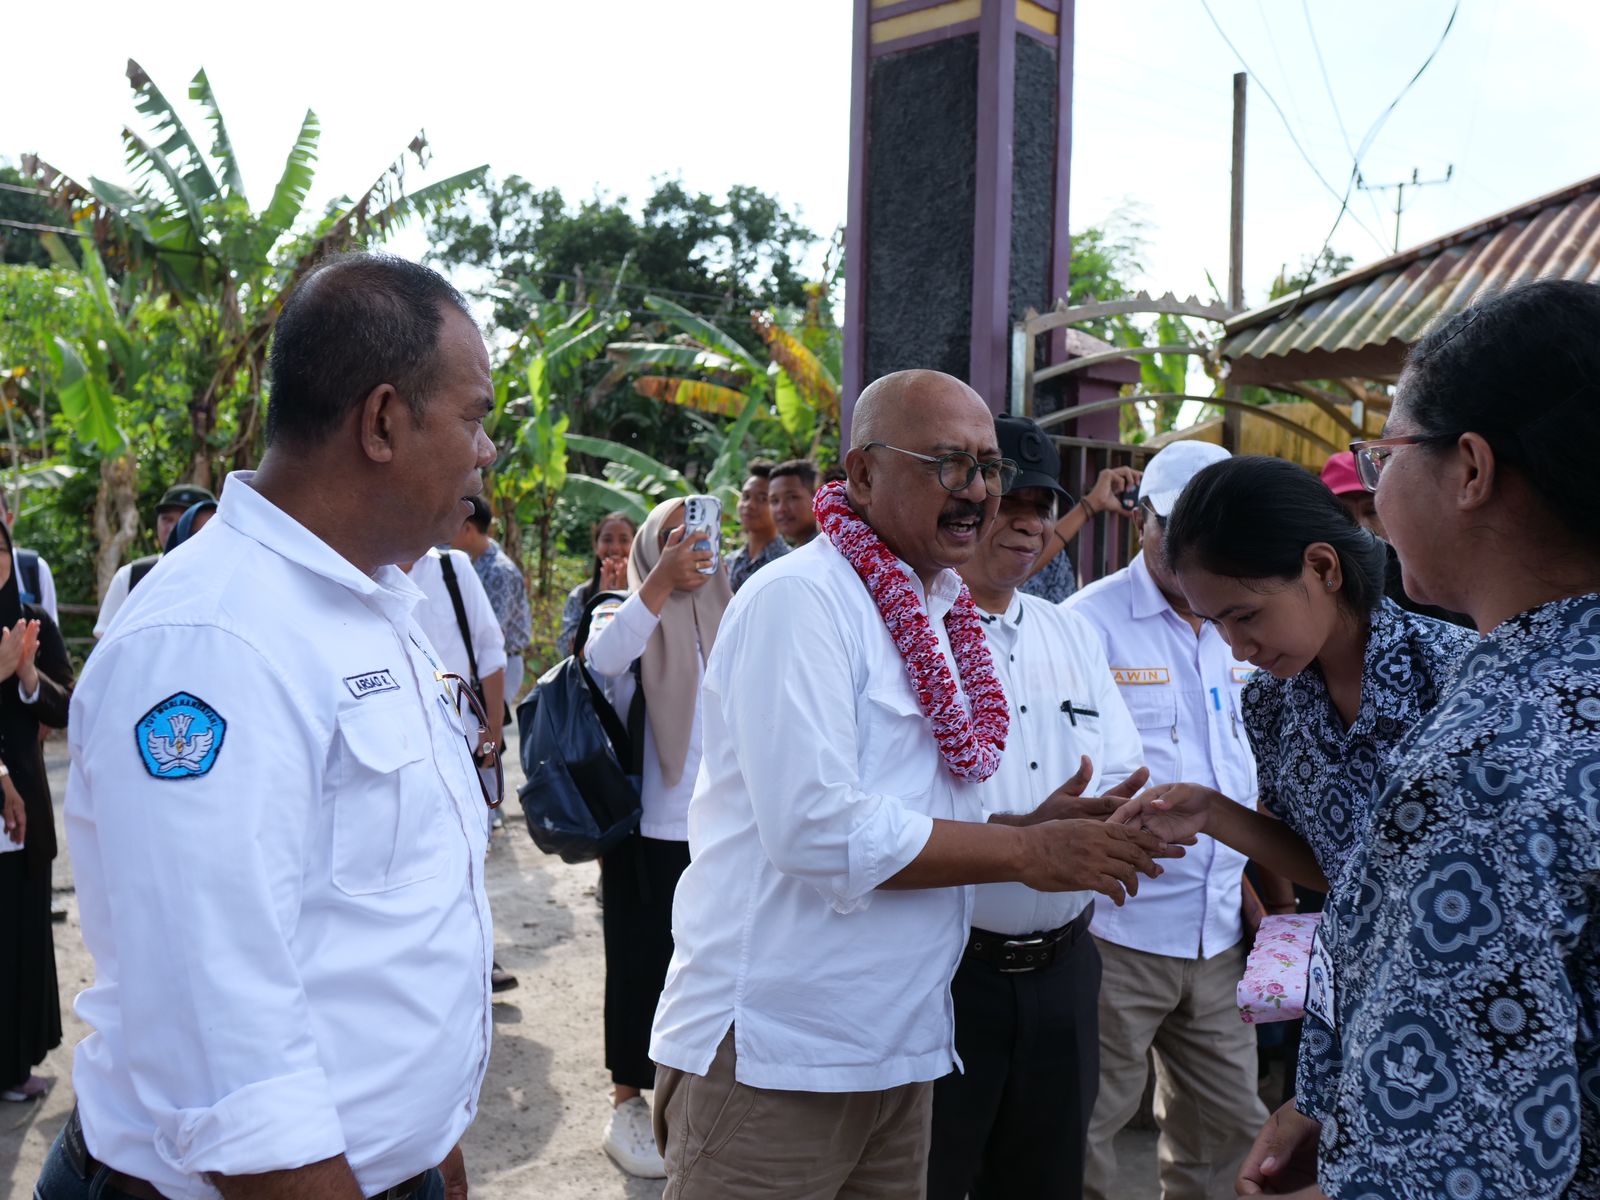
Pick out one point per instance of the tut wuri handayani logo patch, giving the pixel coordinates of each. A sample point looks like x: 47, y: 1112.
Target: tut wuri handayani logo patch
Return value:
x: 180, y: 737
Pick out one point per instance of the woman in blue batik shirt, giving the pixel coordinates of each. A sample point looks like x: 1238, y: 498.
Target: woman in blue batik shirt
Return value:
x: 1344, y: 675
x: 1465, y: 1001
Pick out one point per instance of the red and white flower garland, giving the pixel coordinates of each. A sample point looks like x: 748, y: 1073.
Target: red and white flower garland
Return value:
x: 971, y: 745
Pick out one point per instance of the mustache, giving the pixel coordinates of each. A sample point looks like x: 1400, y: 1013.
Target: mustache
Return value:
x: 962, y: 510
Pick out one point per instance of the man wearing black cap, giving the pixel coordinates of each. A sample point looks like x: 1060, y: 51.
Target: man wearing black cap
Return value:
x: 1013, y: 1122
x: 175, y: 501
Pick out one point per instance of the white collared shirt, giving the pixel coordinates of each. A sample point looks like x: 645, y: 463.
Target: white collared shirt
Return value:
x: 1063, y: 705
x: 283, y: 894
x: 1183, y: 691
x: 820, y: 780
x: 436, y: 615
x: 610, y: 653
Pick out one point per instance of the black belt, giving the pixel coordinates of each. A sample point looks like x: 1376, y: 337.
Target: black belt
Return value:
x: 1030, y: 952
x: 85, y: 1165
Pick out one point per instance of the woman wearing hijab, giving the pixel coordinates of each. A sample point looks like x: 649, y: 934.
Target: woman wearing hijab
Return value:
x: 35, y: 685
x: 668, y: 626
x: 1461, y: 949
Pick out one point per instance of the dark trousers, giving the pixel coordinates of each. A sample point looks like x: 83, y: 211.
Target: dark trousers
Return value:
x: 637, y: 882
x: 1014, y: 1125
x: 60, y: 1180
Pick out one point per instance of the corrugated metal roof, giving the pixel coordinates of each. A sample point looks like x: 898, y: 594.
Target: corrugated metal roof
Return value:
x: 1362, y: 322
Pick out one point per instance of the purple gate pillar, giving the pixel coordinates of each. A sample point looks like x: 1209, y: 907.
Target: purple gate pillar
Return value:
x: 961, y: 119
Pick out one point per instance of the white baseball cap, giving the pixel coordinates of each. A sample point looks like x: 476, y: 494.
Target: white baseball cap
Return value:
x: 1169, y: 472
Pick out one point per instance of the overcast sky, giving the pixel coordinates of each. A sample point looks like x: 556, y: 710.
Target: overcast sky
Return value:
x: 588, y: 96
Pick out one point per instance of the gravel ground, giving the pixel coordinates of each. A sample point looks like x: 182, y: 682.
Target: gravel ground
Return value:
x: 545, y: 1100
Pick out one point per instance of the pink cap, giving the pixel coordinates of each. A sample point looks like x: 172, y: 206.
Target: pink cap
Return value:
x: 1339, y: 474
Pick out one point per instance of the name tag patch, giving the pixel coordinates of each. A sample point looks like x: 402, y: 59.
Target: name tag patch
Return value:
x: 370, y: 683
x: 180, y: 738
x: 1134, y: 676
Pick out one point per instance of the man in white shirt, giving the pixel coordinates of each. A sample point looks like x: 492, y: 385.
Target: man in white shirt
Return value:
x: 1013, y: 1121
x: 175, y: 501
x: 1171, y: 961
x: 807, y: 1009
x: 275, y: 824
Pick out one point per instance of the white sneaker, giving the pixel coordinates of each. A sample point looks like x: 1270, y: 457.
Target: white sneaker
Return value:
x: 631, y: 1142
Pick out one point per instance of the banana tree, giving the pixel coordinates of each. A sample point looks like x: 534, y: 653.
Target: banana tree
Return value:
x: 534, y: 387
x: 185, y: 228
x: 706, y: 370
x: 634, y: 482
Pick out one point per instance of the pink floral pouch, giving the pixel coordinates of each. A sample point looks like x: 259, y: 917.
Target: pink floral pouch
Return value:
x: 1274, y: 983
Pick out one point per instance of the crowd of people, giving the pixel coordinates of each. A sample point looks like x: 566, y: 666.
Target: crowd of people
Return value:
x: 937, y: 852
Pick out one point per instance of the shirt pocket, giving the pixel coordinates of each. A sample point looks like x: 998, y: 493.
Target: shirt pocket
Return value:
x: 386, y: 828
x: 898, y: 753
x: 1155, y: 715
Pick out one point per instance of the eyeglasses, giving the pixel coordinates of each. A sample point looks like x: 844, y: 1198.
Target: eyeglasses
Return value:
x: 490, y: 749
x: 958, y: 469
x: 1371, y: 455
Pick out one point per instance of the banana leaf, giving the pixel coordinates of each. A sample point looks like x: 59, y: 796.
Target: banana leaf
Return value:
x: 221, y: 143
x: 179, y: 149
x: 149, y: 160
x: 294, y: 183
x: 599, y: 493
x: 86, y: 399
x: 616, y: 452
x: 813, y: 381
x: 728, y: 470
x: 798, y: 418
x: 426, y: 202
x: 702, y: 331
x: 673, y: 358
x: 692, y: 393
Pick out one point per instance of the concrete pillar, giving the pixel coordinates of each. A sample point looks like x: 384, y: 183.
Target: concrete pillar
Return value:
x: 961, y: 117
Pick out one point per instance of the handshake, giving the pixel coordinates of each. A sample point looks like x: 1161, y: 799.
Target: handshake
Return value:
x: 1096, y: 843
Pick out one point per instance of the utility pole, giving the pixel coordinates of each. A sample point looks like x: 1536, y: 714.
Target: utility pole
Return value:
x: 1399, y: 190
x: 1232, y: 419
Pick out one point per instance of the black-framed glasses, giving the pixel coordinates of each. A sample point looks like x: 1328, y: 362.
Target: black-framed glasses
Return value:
x: 958, y: 469
x: 1371, y: 455
x: 487, y: 756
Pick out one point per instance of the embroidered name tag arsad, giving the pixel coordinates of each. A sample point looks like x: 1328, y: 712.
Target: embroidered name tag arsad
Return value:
x: 180, y: 738
x: 370, y: 683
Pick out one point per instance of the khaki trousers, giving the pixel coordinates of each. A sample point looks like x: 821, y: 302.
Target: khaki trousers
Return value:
x: 725, y: 1140
x: 1206, y: 1104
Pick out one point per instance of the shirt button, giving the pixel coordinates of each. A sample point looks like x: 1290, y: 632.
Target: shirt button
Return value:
x: 1034, y: 765
x: 1022, y: 708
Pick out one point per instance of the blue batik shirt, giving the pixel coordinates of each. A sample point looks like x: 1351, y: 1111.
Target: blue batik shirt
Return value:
x: 1319, y: 778
x: 1466, y: 1056
x: 741, y: 566
x: 508, y: 596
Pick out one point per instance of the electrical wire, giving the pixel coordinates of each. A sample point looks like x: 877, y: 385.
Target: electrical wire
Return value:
x: 1288, y: 128
x: 1327, y: 84
x: 1366, y: 144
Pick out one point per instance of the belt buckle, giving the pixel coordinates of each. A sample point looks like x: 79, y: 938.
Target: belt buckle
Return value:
x: 1018, y: 943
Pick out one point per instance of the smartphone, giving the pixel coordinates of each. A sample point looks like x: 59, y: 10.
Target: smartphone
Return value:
x: 702, y: 521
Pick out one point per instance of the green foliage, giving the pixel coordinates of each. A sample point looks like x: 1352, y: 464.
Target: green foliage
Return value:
x: 715, y: 255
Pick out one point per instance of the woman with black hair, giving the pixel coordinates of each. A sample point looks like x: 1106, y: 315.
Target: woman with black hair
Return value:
x: 1461, y: 938
x: 1268, y: 554
x: 613, y: 539
x: 35, y: 687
